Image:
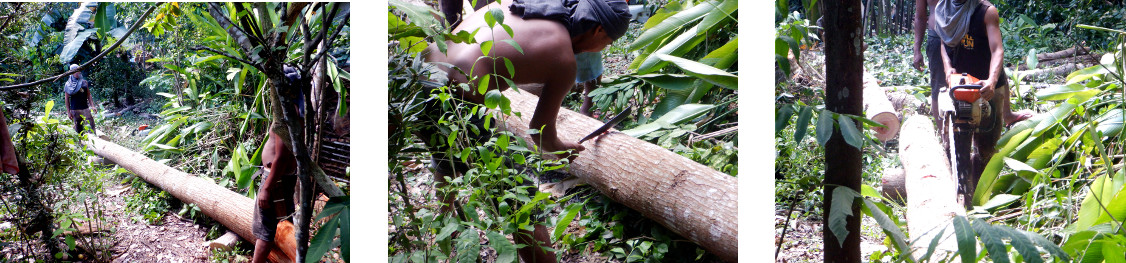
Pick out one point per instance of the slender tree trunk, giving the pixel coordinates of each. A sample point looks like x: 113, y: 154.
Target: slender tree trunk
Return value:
x: 843, y: 94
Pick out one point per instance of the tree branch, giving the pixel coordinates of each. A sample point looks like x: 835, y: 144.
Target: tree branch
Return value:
x: 91, y: 61
x: 326, y: 23
x: 198, y: 48
x: 241, y: 37
x: 328, y: 42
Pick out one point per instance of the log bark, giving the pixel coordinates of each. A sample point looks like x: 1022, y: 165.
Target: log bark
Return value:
x: 932, y: 190
x: 689, y: 198
x: 228, y: 208
x: 844, y: 66
x: 1058, y: 70
x: 878, y: 108
x: 1078, y: 50
x: 892, y: 185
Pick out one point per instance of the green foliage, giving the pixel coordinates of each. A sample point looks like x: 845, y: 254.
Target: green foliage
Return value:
x: 149, y: 203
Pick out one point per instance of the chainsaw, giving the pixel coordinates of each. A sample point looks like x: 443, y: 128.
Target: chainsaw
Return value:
x: 969, y: 108
x: 966, y: 114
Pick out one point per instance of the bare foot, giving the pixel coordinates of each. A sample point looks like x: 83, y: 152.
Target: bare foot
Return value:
x: 1014, y: 117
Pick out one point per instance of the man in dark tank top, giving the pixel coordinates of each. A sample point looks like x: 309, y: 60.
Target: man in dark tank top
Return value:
x: 970, y: 33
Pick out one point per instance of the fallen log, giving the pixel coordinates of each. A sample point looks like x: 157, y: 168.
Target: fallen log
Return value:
x: 1053, y: 71
x: 1077, y: 50
x: 932, y: 191
x: 228, y: 208
x: 878, y: 108
x: 892, y: 185
x: 689, y: 198
x: 224, y: 242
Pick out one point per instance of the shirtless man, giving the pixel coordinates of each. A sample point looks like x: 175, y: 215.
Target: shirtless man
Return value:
x: 550, y: 34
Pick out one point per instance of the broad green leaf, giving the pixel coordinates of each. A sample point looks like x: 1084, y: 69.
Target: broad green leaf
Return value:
x: 721, y: 14
x: 1021, y: 243
x: 1086, y: 245
x: 1113, y: 252
x: 679, y: 114
x: 678, y: 46
x: 802, y: 124
x: 468, y: 246
x: 450, y: 228
x: 1051, y: 247
x: 999, y: 201
x: 1061, y: 112
x: 932, y: 245
x: 824, y: 127
x: 1063, y: 92
x: 851, y: 135
x: 1102, y: 191
x: 989, y: 175
x: 565, y: 222
x: 671, y: 24
x: 886, y: 224
x: 1087, y: 73
x: 322, y: 241
x: 514, y: 45
x: 839, y: 211
x: 869, y: 191
x: 991, y: 237
x: 705, y: 72
x: 669, y: 81
x: 1110, y: 123
x: 506, y: 251
x: 782, y: 117
x: 794, y: 47
x: 492, y: 98
x: 967, y: 244
x: 1031, y: 60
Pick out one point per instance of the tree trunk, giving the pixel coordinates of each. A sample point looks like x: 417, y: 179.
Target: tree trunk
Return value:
x: 932, y: 191
x: 689, y: 198
x: 844, y: 60
x: 878, y: 108
x: 229, y: 208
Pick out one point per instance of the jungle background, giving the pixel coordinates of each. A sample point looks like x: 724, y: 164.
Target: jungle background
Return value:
x: 1057, y: 184
x: 689, y: 108
x: 181, y: 89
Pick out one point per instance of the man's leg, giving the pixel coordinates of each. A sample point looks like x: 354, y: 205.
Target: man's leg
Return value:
x: 90, y: 119
x: 934, y: 61
x: 587, y: 101
x: 534, y: 242
x: 986, y: 142
x: 261, y: 251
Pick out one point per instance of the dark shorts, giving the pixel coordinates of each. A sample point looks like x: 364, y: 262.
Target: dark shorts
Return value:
x: 266, y: 219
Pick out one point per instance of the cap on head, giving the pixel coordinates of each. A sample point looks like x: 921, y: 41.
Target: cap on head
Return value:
x: 73, y: 66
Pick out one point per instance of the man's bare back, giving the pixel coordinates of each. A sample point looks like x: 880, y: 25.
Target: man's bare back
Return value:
x: 548, y: 57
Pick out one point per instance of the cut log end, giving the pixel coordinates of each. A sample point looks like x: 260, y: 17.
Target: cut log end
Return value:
x: 225, y: 242
x: 893, y: 185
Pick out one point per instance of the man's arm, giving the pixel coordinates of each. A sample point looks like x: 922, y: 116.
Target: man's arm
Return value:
x: 920, y: 29
x: 547, y: 110
x: 947, y: 69
x: 997, y: 49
